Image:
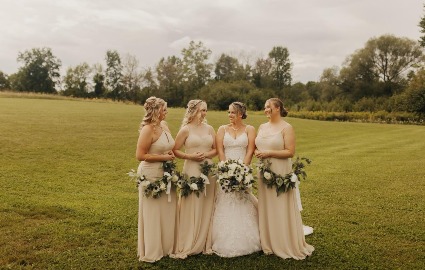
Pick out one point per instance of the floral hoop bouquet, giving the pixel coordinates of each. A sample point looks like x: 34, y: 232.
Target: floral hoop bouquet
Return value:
x: 283, y: 183
x: 234, y: 175
x: 164, y: 184
x: 187, y: 185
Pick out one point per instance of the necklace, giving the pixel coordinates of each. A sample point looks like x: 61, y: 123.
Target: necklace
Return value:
x: 235, y: 129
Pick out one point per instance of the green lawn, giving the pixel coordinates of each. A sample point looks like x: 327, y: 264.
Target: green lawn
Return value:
x: 67, y: 203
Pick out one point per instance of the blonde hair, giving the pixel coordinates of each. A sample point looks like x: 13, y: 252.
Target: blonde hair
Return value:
x: 278, y: 103
x: 152, y: 106
x: 240, y: 108
x: 193, y: 107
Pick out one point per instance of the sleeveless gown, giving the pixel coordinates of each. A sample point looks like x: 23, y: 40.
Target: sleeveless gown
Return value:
x: 281, y: 228
x: 194, y: 213
x: 235, y: 221
x: 156, y: 216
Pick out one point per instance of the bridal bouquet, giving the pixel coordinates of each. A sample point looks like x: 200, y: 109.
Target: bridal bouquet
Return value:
x: 233, y: 175
x: 283, y: 183
x: 156, y: 188
x: 187, y: 185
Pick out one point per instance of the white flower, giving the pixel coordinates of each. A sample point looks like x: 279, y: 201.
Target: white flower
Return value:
x: 248, y: 178
x: 193, y: 186
x: 294, y: 178
x: 204, y: 177
x: 163, y: 186
x: 175, y: 178
x: 145, y: 183
x: 233, y: 166
x: 239, y: 177
x: 221, y: 164
x: 267, y: 175
x: 180, y: 183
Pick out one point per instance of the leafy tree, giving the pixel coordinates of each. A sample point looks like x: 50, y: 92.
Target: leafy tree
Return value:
x: 149, y: 85
x: 329, y: 84
x: 422, y: 26
x: 170, y: 77
x: 4, y: 81
x: 98, y: 80
x: 281, y: 67
x: 114, y: 74
x: 131, y: 78
x: 76, y: 81
x: 262, y: 73
x: 414, y: 96
x: 228, y: 68
x: 381, y: 67
x: 40, y: 71
x: 196, y: 69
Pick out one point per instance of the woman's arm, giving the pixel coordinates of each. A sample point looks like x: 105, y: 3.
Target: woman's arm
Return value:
x: 144, y: 144
x: 219, y: 143
x: 213, y: 152
x: 288, y: 134
x: 179, y: 142
x: 251, y: 145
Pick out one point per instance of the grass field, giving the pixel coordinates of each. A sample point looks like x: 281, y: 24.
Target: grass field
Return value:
x: 67, y: 203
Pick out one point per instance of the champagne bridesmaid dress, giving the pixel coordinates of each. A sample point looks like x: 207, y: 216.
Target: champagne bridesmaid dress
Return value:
x: 194, y: 216
x: 281, y: 228
x: 156, y: 221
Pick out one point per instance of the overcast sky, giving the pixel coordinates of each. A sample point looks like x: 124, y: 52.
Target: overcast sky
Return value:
x: 318, y: 33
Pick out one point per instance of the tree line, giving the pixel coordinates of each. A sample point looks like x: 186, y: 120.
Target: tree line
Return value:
x: 387, y: 74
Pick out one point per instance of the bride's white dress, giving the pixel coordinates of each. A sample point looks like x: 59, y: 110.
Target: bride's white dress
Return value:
x: 235, y: 220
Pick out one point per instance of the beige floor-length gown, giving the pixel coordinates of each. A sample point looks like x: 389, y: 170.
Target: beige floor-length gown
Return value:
x: 156, y: 224
x: 280, y: 224
x: 194, y: 214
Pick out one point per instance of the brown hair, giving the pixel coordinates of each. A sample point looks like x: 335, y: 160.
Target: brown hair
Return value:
x: 240, y: 108
x: 278, y: 103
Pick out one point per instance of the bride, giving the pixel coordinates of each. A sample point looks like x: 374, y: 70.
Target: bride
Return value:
x: 235, y: 220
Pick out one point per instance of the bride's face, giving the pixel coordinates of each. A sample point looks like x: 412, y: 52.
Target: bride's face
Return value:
x: 234, y: 116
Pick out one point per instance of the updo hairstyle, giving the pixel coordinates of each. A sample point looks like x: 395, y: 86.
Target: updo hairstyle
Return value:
x: 240, y: 108
x: 193, y: 108
x: 152, y: 107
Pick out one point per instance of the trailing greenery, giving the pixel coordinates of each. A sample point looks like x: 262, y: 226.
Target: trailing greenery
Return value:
x: 67, y: 203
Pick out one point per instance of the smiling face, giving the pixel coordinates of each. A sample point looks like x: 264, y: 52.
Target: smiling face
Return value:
x: 163, y: 112
x: 202, y: 112
x: 270, y: 110
x: 233, y: 114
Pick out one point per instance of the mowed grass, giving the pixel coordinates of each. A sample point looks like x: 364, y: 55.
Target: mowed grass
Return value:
x: 67, y: 203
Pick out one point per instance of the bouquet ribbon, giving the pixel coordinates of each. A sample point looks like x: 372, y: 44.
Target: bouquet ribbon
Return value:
x: 168, y: 192
x: 206, y: 181
x: 294, y: 178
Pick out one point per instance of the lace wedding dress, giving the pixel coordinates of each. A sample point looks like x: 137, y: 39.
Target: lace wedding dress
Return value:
x: 235, y: 221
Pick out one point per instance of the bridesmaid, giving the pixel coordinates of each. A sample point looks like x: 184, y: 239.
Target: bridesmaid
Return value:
x: 280, y: 224
x: 156, y: 216
x: 194, y: 213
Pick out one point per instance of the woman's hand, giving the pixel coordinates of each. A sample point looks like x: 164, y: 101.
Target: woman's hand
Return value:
x: 169, y: 155
x: 261, y: 154
x: 198, y: 156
